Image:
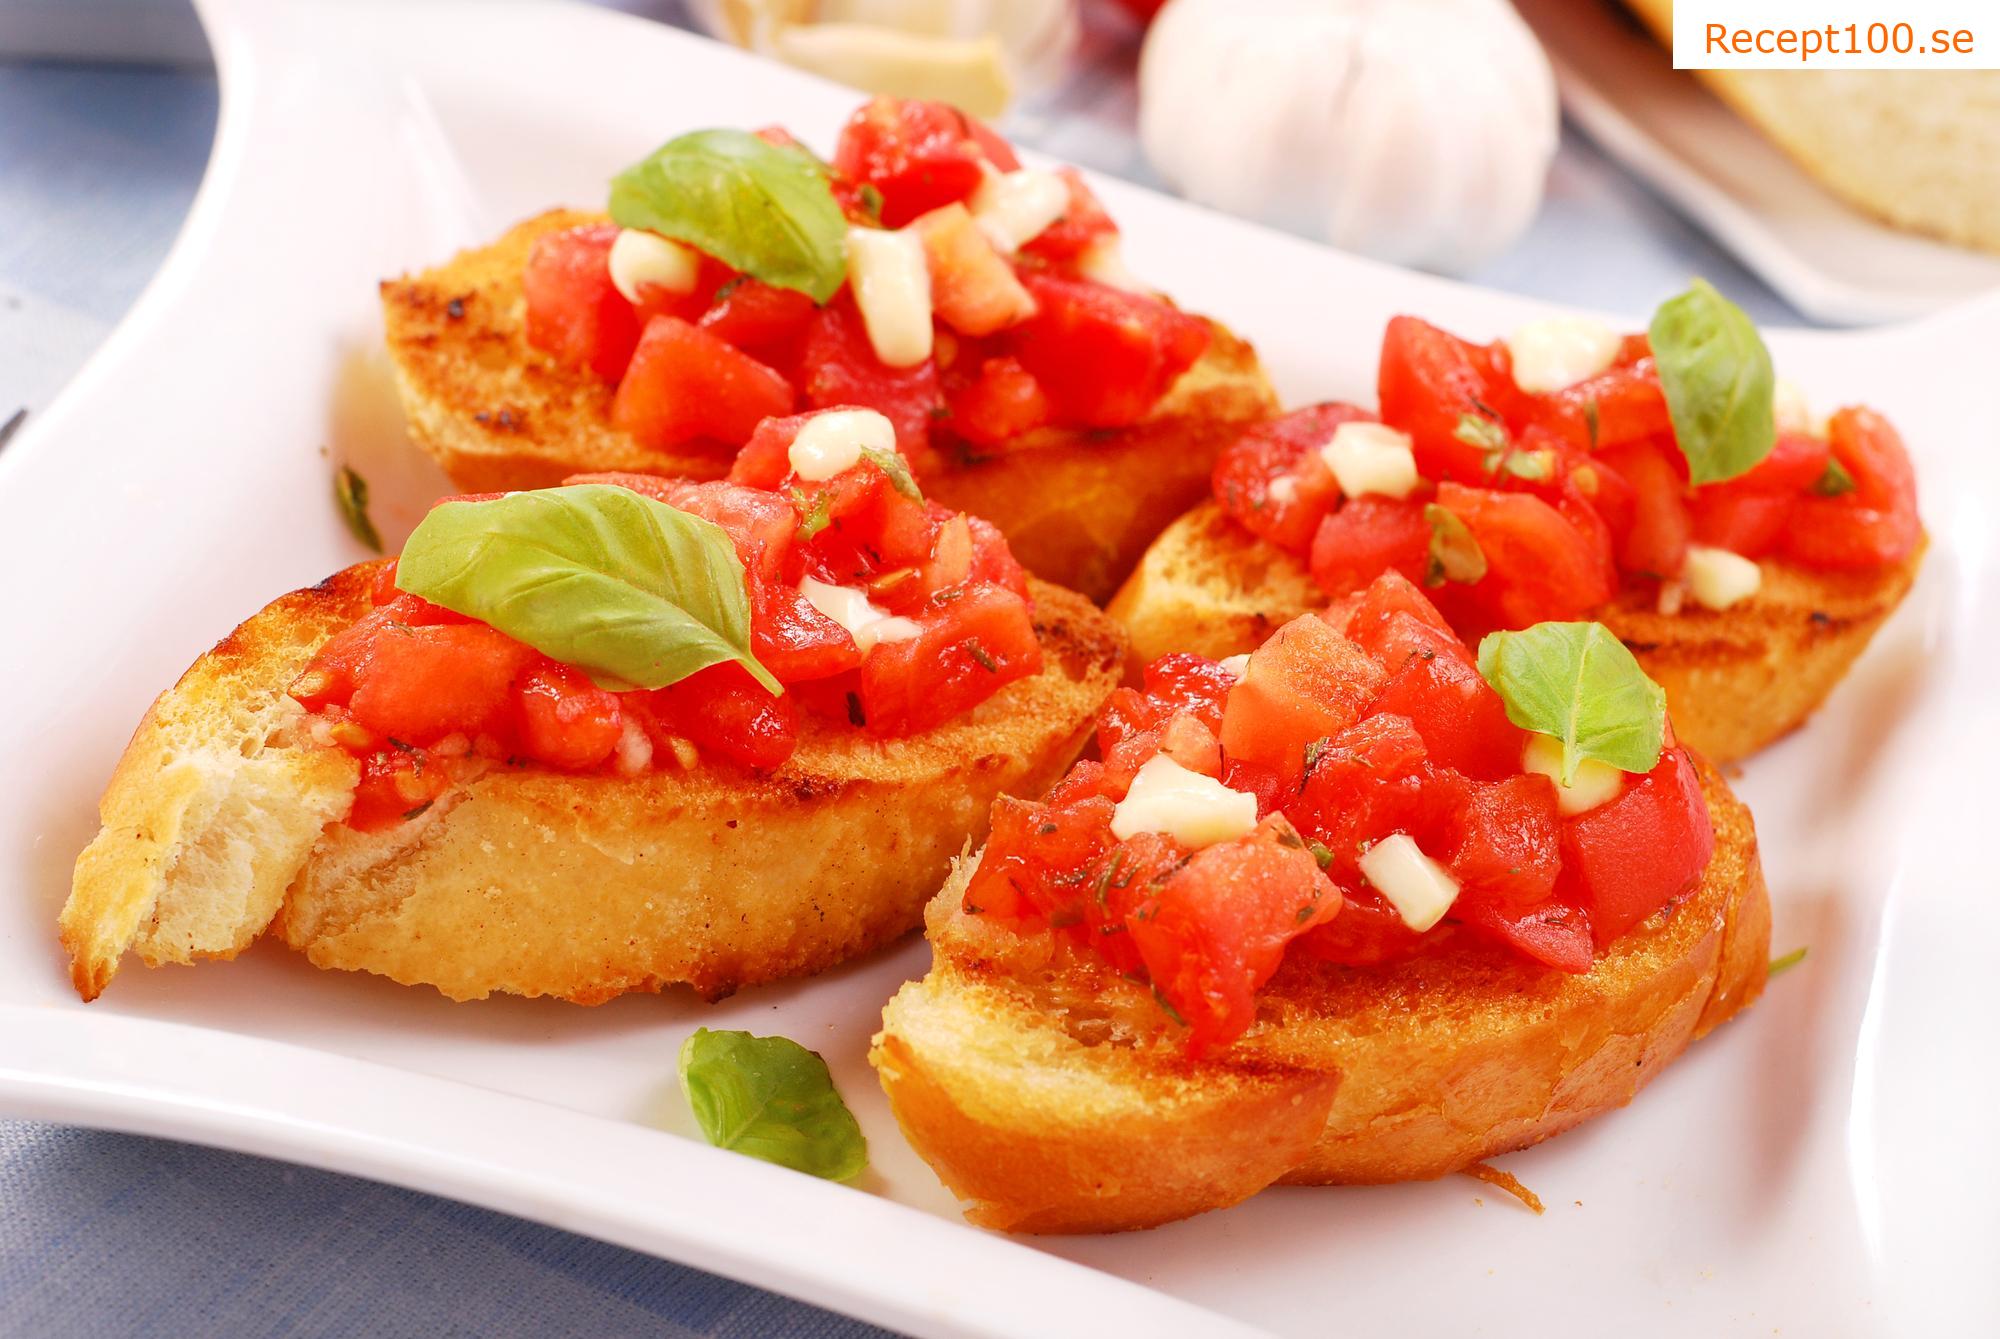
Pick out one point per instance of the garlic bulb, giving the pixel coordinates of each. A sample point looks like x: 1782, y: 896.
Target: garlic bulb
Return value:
x: 973, y: 53
x: 1415, y: 131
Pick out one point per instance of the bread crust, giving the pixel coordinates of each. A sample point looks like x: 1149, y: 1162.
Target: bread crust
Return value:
x: 533, y: 882
x: 1078, y: 507
x: 1403, y: 1071
x: 1736, y: 679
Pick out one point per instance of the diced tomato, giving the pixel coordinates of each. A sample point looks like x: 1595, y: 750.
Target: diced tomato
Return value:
x: 727, y: 714
x: 765, y: 322
x: 841, y: 369
x: 420, y: 684
x: 1367, y: 931
x: 973, y: 288
x: 396, y: 784
x: 1539, y: 566
x: 1002, y: 403
x: 1638, y: 852
x: 1306, y: 683
x: 1371, y: 779
x: 1797, y: 462
x: 980, y: 641
x: 1427, y: 382
x: 1284, y: 448
x: 795, y: 641
x: 1462, y: 720
x: 685, y: 384
x: 992, y: 561
x: 1368, y: 617
x: 566, y: 720
x: 1876, y: 524
x: 1217, y: 928
x: 1622, y: 405
x: 919, y: 155
x: 1027, y: 842
x: 574, y: 312
x: 1508, y: 845
x: 1082, y: 225
x: 1556, y: 932
x: 1656, y: 544
x: 1104, y: 357
x: 1367, y: 536
x: 766, y: 459
x: 1752, y: 524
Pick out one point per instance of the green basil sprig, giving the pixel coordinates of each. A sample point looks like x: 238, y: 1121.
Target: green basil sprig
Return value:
x: 773, y: 1099
x: 1454, y: 553
x: 1719, y: 383
x: 1578, y: 684
x: 765, y: 209
x: 628, y: 589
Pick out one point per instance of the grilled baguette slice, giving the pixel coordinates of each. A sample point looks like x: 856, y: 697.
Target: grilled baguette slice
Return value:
x: 1736, y: 679
x: 223, y: 818
x: 1077, y: 507
x: 1050, y: 1097
x: 1919, y: 149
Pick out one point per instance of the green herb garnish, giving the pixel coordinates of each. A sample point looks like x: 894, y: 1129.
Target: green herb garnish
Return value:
x: 350, y: 494
x: 892, y: 464
x: 1482, y: 432
x: 631, y: 591
x: 1579, y: 685
x: 1718, y: 381
x: 1454, y: 554
x: 773, y: 1099
x: 1834, y: 480
x: 1786, y: 963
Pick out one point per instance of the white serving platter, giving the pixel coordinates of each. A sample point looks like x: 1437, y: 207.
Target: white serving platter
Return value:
x: 1829, y: 259
x: 1824, y: 1166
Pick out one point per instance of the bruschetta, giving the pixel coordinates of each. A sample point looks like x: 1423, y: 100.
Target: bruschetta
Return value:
x: 611, y: 736
x: 1326, y: 914
x: 924, y: 273
x: 1666, y: 485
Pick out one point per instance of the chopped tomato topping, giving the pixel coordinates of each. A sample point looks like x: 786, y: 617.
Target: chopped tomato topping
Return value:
x: 1082, y: 226
x: 919, y: 155
x: 686, y: 384
x: 575, y: 314
x: 1003, y: 402
x: 1103, y: 356
x: 841, y: 369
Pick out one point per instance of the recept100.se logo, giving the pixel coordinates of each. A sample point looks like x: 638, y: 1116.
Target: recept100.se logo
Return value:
x: 1837, y: 34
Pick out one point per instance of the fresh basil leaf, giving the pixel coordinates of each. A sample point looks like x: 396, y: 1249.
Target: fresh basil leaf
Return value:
x: 1834, y: 480
x: 1787, y: 962
x: 773, y: 1099
x: 630, y: 590
x: 1480, y: 431
x: 350, y: 494
x: 1454, y: 554
x: 892, y: 464
x: 761, y: 208
x: 1578, y: 684
x: 1717, y: 375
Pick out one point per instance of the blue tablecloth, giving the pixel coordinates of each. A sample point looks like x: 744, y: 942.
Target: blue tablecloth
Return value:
x: 104, y: 1234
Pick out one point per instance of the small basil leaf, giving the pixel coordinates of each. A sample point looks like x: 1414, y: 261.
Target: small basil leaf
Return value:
x: 1717, y: 375
x: 892, y: 464
x: 773, y: 1099
x: 761, y: 208
x: 1454, y: 554
x: 1834, y: 479
x: 1480, y: 431
x: 350, y: 494
x: 1578, y: 684
x: 630, y: 590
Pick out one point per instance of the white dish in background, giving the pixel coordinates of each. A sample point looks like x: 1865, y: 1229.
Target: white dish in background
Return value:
x: 1823, y: 1165
x: 1830, y: 260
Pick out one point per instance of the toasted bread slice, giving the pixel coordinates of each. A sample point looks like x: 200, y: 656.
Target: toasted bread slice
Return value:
x: 223, y: 819
x: 1736, y: 679
x: 1050, y: 1095
x: 1078, y: 508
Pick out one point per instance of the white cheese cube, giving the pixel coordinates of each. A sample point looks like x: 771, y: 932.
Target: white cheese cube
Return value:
x: 1418, y: 887
x: 892, y: 287
x: 1560, y: 351
x: 1371, y: 458
x: 1717, y: 578
x: 1237, y: 665
x: 1193, y: 809
x: 1595, y: 782
x: 850, y: 608
x: 833, y: 441
x: 639, y: 257
x: 1014, y: 208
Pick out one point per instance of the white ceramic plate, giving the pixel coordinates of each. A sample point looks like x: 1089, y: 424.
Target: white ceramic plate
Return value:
x: 1825, y: 1164
x: 1830, y: 260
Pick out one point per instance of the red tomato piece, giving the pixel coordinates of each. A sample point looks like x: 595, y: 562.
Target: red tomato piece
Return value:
x: 919, y: 155
x: 421, y: 684
x: 841, y: 369
x: 973, y: 288
x: 1876, y: 524
x: 1656, y: 544
x: 1003, y: 402
x: 1367, y: 536
x: 1427, y: 381
x: 1556, y: 933
x: 1367, y: 931
x: 1104, y: 357
x: 1217, y: 928
x: 795, y: 641
x: 766, y: 322
x: 395, y: 785
x: 684, y: 384
x: 1508, y: 845
x: 566, y: 720
x: 726, y: 714
x: 1305, y: 684
x: 1284, y: 448
x: 1638, y: 852
x: 1462, y: 720
x: 1752, y: 524
x: 968, y: 650
x: 1082, y: 226
x: 1539, y: 566
x: 574, y: 312
x: 1613, y: 408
